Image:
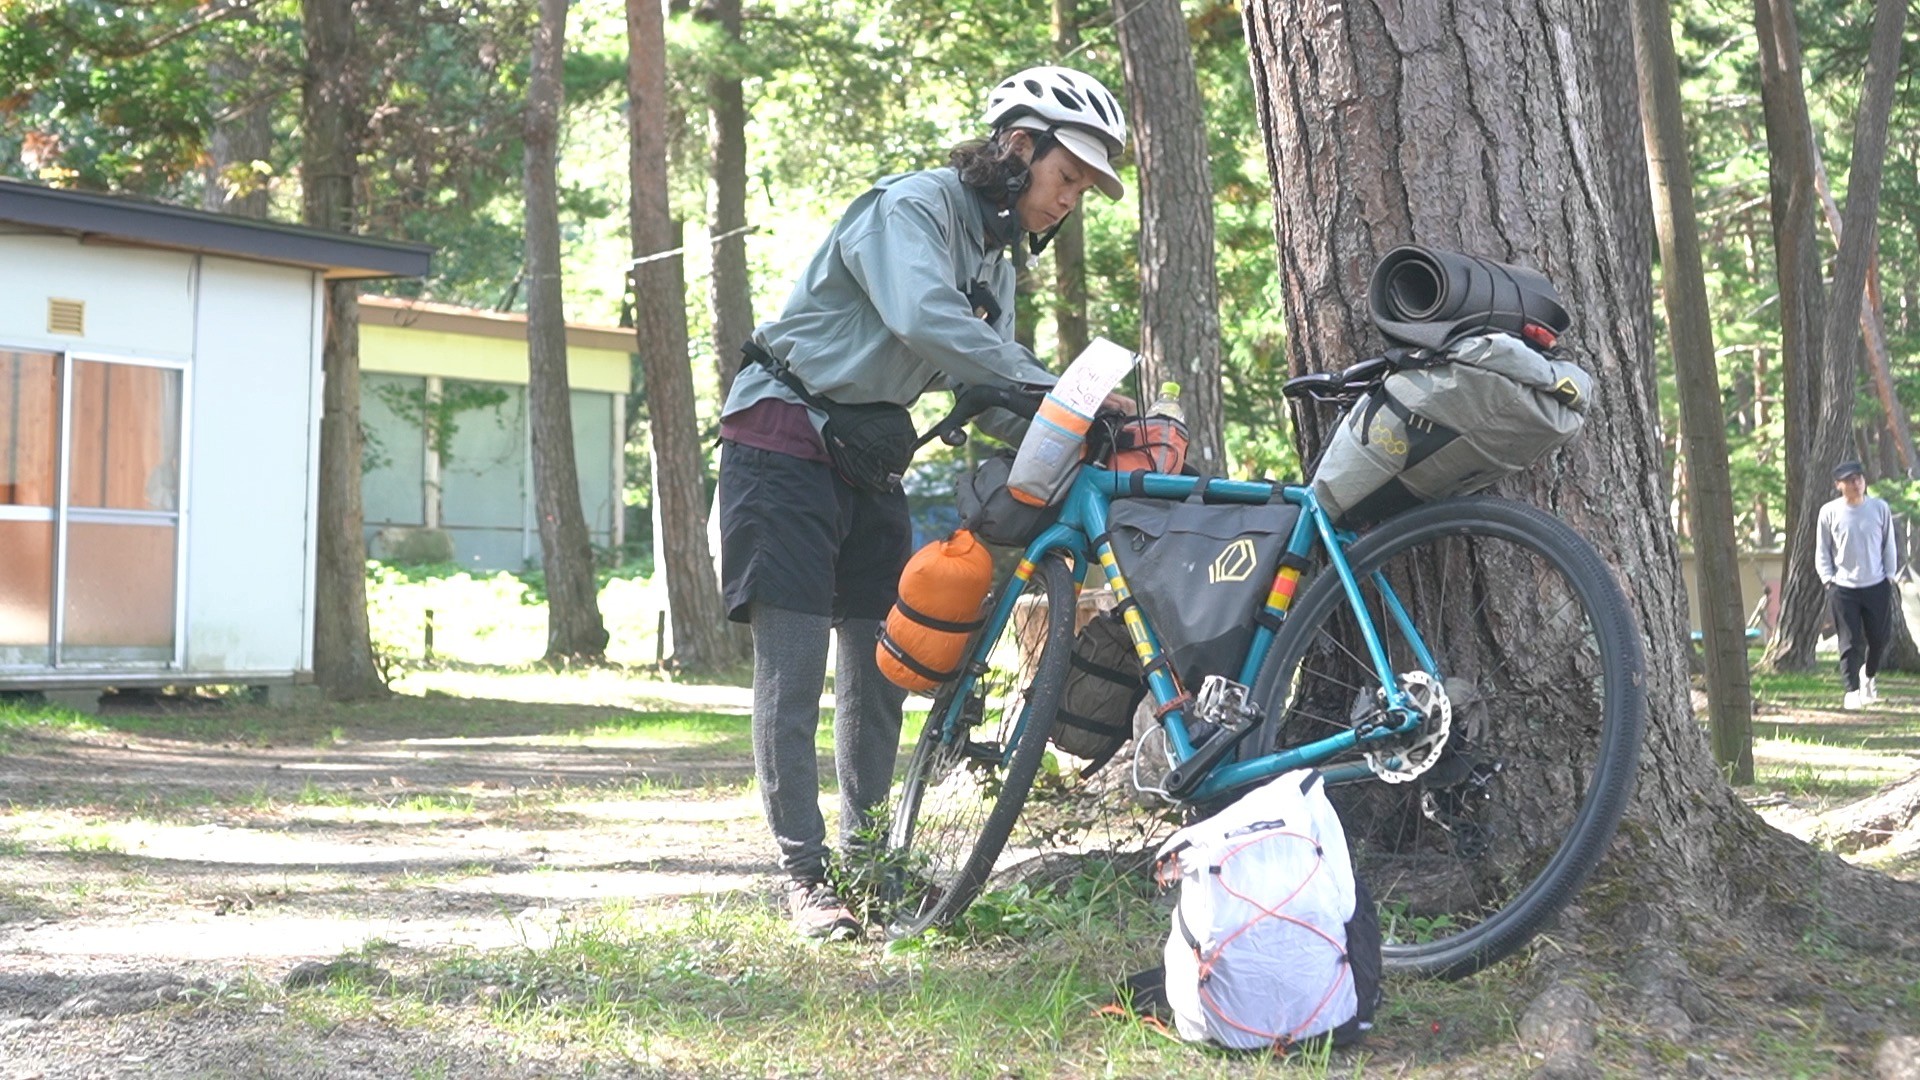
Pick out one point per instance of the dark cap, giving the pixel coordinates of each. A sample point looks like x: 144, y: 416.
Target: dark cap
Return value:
x: 1846, y: 469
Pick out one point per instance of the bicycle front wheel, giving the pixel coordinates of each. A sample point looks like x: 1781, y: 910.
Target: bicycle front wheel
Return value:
x: 967, y: 783
x: 1472, y: 843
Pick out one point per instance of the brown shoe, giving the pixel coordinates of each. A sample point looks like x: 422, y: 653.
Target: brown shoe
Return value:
x: 817, y: 912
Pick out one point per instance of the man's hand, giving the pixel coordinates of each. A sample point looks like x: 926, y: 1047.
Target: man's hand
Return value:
x: 1120, y: 403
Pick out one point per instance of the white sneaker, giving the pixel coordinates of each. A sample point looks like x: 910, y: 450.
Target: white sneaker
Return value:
x: 1872, y: 691
x: 1854, y: 699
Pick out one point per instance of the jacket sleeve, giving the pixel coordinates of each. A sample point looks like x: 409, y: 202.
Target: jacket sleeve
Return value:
x: 1823, y: 551
x: 903, y: 264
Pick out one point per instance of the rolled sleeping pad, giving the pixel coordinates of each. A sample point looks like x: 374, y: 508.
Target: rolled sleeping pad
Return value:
x: 1429, y: 298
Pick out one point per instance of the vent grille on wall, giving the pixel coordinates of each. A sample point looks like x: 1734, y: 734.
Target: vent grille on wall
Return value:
x: 67, y: 317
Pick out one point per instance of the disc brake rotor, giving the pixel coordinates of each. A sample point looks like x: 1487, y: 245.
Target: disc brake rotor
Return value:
x: 1400, y: 764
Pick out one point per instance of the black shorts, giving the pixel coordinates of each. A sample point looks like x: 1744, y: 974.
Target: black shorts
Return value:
x: 794, y: 535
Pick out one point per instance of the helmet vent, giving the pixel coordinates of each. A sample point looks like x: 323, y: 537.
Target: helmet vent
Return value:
x: 1068, y: 98
x: 1033, y: 87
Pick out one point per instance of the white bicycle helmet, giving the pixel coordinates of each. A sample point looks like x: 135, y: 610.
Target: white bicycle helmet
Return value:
x: 1074, y: 107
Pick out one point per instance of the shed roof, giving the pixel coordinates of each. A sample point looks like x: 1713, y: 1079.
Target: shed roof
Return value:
x: 512, y: 325
x: 123, y: 219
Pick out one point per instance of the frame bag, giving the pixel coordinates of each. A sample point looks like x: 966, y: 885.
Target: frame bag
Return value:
x: 1274, y: 940
x: 1202, y: 571
x: 1486, y: 408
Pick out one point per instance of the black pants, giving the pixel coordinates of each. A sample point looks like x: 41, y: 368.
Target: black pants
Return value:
x: 1863, y: 621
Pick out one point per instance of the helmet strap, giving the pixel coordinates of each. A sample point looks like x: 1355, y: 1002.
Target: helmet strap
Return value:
x: 1037, y: 242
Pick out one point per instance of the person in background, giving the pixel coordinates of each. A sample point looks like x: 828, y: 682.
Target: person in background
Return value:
x: 913, y: 290
x: 1857, y: 561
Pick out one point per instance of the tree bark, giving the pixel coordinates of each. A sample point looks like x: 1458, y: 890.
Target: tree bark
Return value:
x: 242, y: 133
x: 729, y: 289
x: 1179, y: 291
x: 330, y: 117
x: 701, y: 641
x: 575, y: 631
x: 1070, y: 243
x: 1389, y: 123
x: 1697, y: 378
x: 1873, y: 327
x: 1822, y: 351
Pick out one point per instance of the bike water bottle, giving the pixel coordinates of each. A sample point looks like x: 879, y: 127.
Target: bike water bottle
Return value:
x: 1157, y: 442
x: 1048, y: 455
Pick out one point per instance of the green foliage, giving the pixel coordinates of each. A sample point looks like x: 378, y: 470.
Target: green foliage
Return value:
x: 439, y: 417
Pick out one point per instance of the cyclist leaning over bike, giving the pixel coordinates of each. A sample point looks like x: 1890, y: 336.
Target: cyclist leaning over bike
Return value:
x: 913, y: 289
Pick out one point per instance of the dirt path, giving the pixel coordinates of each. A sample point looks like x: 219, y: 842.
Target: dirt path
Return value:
x: 143, y: 869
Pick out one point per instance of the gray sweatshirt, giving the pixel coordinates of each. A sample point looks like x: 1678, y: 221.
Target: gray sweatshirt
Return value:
x: 1856, y: 543
x: 881, y: 313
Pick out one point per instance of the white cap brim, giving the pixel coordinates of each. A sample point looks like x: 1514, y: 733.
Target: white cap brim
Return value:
x: 1089, y: 149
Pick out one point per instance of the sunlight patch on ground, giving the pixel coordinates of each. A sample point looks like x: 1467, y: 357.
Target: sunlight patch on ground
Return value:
x: 208, y: 937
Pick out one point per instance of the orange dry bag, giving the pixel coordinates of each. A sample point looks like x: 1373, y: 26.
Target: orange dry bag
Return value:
x: 941, y: 592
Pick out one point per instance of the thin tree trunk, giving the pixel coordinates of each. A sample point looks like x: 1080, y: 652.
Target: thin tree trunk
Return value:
x: 1179, y: 290
x: 1416, y: 123
x: 575, y: 631
x: 701, y: 641
x: 1697, y: 376
x: 1070, y: 243
x: 242, y: 133
x: 1823, y: 388
x: 1802, y: 327
x: 1873, y: 328
x: 329, y: 118
x: 729, y: 290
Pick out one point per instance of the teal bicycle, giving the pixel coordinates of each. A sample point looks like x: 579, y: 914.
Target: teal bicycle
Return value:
x: 1467, y: 675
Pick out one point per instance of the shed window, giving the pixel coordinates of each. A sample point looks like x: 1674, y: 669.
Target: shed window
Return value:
x: 29, y: 425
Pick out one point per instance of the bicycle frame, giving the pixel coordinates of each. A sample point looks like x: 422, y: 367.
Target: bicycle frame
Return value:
x: 1084, y: 515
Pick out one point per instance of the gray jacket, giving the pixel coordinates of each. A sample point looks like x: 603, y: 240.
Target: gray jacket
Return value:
x: 881, y: 313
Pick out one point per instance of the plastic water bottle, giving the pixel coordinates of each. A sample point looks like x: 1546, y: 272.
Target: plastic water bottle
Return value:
x: 1157, y: 442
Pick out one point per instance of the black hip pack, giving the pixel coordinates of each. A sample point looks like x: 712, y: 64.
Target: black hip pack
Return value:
x: 870, y: 445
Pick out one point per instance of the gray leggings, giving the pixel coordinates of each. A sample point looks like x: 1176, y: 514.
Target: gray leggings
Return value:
x: 789, y: 672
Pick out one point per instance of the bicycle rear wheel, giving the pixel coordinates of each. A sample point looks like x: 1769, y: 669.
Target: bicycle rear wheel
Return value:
x: 1540, y: 661
x: 965, y: 787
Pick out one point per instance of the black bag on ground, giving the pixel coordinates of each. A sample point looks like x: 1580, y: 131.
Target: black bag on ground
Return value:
x: 1201, y: 571
x: 1104, y: 686
x: 991, y: 512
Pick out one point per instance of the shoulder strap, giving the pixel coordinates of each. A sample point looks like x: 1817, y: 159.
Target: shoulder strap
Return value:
x: 778, y: 368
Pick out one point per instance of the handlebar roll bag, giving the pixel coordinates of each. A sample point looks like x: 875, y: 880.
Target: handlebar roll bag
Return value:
x: 990, y: 511
x: 1490, y: 407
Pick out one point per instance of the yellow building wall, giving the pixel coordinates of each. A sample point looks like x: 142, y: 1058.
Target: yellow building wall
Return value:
x: 398, y: 350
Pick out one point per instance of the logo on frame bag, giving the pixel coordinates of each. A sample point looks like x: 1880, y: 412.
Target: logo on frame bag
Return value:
x: 1234, y: 563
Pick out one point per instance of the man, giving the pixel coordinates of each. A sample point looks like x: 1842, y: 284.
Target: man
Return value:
x: 913, y: 289
x: 1857, y: 562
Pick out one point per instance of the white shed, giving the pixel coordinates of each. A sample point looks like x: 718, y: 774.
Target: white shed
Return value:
x: 160, y: 405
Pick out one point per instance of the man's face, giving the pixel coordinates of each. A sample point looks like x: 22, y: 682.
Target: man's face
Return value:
x: 1059, y: 180
x: 1852, y: 487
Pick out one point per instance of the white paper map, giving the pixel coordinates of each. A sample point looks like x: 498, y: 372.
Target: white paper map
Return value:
x: 1093, y: 375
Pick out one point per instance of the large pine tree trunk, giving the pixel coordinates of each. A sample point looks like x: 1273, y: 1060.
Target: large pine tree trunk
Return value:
x: 701, y: 641
x: 1393, y: 123
x: 1821, y: 349
x: 575, y: 631
x: 1179, y: 292
x: 330, y: 119
x: 1697, y: 378
x: 729, y: 289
